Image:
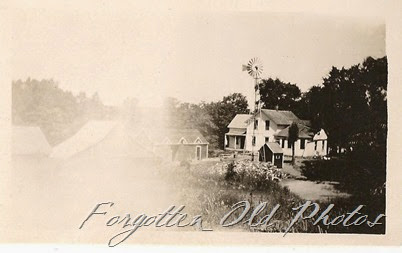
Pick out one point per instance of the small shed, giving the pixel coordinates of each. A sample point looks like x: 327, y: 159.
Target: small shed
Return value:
x: 271, y: 152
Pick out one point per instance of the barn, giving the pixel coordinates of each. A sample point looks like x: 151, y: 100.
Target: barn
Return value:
x: 271, y: 152
x: 29, y: 141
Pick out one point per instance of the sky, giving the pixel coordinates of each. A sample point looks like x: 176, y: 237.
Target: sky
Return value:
x: 190, y: 55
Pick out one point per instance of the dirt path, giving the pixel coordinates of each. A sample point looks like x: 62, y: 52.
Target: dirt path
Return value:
x: 315, y: 191
x: 309, y: 190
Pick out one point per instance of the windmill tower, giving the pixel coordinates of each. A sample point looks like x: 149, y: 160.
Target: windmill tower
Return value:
x: 254, y: 68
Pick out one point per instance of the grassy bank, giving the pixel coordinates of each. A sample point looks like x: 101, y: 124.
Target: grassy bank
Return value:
x: 208, y: 189
x: 212, y: 188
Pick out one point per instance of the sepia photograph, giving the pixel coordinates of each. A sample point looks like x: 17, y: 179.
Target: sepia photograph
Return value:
x: 129, y: 125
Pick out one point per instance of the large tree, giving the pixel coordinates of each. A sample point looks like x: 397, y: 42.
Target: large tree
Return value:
x: 211, y: 119
x: 222, y: 112
x: 351, y: 104
x: 275, y: 93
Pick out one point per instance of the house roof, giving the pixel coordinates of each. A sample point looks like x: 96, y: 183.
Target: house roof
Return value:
x: 274, y: 147
x: 240, y: 121
x: 237, y: 131
x: 305, y: 122
x: 280, y: 117
x: 29, y: 140
x: 90, y: 134
x: 305, y: 132
x: 189, y: 135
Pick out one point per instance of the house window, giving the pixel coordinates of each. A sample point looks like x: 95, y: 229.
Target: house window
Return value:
x: 256, y: 124
x: 302, y: 143
x: 237, y: 140
x: 266, y: 139
x: 283, y: 143
x: 267, y: 125
x: 253, y: 141
x: 323, y: 145
x: 315, y: 145
x: 289, y: 144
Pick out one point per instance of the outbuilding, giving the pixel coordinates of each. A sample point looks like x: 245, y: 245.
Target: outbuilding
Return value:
x: 271, y: 152
x: 182, y: 145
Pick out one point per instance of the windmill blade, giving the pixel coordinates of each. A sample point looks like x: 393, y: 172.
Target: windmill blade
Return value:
x: 254, y: 67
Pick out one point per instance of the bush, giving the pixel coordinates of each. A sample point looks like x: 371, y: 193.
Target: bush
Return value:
x: 356, y: 175
x: 362, y: 174
x: 230, y: 172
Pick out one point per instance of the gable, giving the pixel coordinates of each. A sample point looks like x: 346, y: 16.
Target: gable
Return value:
x: 183, y: 140
x: 166, y: 141
x: 185, y: 136
x: 321, y: 135
x: 198, y: 141
x: 240, y: 121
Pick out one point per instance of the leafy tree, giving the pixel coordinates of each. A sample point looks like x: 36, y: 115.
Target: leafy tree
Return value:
x: 293, y: 136
x: 59, y: 113
x: 277, y: 93
x: 351, y: 104
x: 211, y: 119
x: 222, y: 113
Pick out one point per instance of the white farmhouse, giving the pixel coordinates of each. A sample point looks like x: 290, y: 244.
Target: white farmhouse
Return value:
x: 273, y: 126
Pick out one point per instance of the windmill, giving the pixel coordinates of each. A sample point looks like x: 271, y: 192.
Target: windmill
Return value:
x: 254, y: 68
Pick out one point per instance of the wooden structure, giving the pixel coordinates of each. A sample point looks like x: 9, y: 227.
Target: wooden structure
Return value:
x: 271, y: 152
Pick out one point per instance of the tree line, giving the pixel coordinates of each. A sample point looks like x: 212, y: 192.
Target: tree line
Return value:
x: 350, y: 104
x: 57, y: 112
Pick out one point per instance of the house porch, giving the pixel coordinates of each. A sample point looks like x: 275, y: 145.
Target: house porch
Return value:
x: 235, y: 142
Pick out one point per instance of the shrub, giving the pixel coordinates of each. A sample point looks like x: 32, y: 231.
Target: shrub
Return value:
x: 230, y: 172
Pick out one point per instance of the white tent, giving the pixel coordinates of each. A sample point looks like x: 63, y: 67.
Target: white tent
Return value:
x: 105, y: 139
x: 29, y: 140
x: 90, y: 134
